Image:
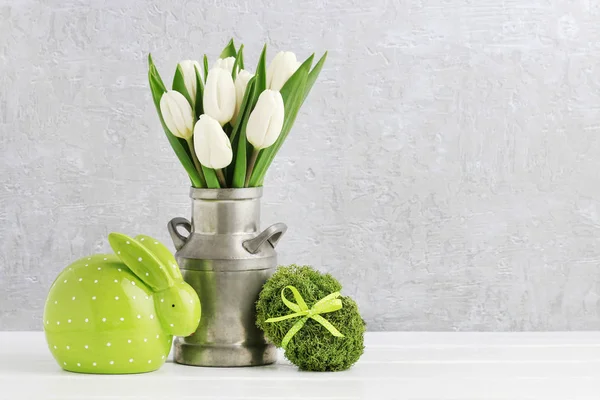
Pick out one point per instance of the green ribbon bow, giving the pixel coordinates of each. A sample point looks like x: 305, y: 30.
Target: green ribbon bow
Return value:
x: 327, y: 304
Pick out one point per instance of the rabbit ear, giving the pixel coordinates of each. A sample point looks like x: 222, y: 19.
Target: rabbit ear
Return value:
x: 163, y: 254
x: 140, y: 261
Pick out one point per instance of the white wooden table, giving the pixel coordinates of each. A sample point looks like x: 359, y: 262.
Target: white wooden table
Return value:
x: 394, y: 366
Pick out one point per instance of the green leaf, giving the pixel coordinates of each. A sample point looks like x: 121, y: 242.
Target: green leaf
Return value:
x: 205, y: 60
x: 152, y: 68
x: 199, y: 94
x: 179, y: 85
x: 313, y: 75
x: 293, y: 96
x: 261, y: 74
x: 238, y: 141
x: 241, y: 57
x: 178, y: 145
x: 229, y: 50
x: 212, y: 182
x: 235, y: 68
x: 244, y: 107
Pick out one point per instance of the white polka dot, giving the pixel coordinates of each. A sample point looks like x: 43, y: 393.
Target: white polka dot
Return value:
x: 55, y: 347
x: 89, y: 258
x: 69, y: 321
x: 128, y: 340
x: 108, y: 344
x: 171, y: 324
x: 162, y: 300
x: 119, y: 269
x: 162, y: 357
x: 93, y: 297
x: 80, y: 279
x: 147, y: 274
x: 116, y: 297
x: 191, y: 301
x: 57, y: 322
x: 145, y: 339
x: 86, y: 347
x: 116, y: 281
x: 87, y: 320
x: 99, y: 268
x: 142, y: 239
x: 95, y: 280
x: 111, y: 362
x: 68, y: 347
x: 149, y: 361
x: 105, y: 258
x: 133, y: 283
x: 55, y: 302
x: 64, y: 363
x: 151, y: 316
x: 47, y: 322
x: 155, y: 242
x: 140, y: 259
x: 122, y: 319
x: 131, y: 360
x: 119, y: 252
x: 139, y: 316
x: 133, y: 297
x: 147, y: 297
x: 157, y: 336
x: 174, y: 266
x: 65, y: 281
x: 128, y: 242
x: 94, y: 364
x: 87, y: 265
x: 78, y: 364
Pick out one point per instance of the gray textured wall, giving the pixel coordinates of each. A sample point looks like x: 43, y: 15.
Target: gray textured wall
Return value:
x: 445, y: 167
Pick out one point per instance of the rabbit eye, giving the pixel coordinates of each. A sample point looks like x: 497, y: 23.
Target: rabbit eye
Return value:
x: 172, y: 305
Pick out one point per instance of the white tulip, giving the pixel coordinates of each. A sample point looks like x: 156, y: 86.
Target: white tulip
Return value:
x: 283, y: 66
x: 189, y: 77
x: 225, y: 63
x: 241, y: 83
x: 177, y: 114
x: 266, y: 120
x: 219, y: 95
x: 211, y: 143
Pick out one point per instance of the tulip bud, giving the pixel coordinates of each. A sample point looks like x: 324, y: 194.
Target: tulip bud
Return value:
x: 241, y: 83
x: 189, y: 77
x: 266, y: 120
x: 219, y: 95
x: 177, y: 114
x: 225, y: 63
x: 283, y: 66
x: 211, y: 143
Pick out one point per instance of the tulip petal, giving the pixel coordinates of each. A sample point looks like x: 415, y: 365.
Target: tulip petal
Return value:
x: 219, y: 95
x: 266, y: 120
x: 211, y: 143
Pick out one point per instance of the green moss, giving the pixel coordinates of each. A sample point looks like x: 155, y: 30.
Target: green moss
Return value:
x: 313, y: 348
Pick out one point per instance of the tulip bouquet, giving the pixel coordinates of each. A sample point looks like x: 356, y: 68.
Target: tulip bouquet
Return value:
x: 225, y: 123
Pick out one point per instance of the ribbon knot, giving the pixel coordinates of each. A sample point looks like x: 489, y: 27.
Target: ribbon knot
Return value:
x: 327, y: 304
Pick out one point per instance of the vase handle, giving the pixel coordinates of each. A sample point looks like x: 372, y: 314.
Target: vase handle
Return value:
x: 272, y: 234
x: 178, y: 239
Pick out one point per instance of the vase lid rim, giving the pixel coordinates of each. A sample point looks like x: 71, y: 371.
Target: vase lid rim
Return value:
x: 226, y: 194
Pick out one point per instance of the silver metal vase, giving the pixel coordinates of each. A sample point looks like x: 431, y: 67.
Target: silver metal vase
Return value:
x: 226, y: 260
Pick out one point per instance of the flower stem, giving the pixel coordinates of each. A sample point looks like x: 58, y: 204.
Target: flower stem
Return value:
x: 190, y: 143
x: 221, y: 178
x: 253, y: 158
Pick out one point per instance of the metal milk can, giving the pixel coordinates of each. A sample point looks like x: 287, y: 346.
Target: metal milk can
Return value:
x: 227, y: 261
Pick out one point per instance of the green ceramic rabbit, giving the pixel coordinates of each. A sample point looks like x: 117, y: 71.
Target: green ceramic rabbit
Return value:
x: 117, y: 314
